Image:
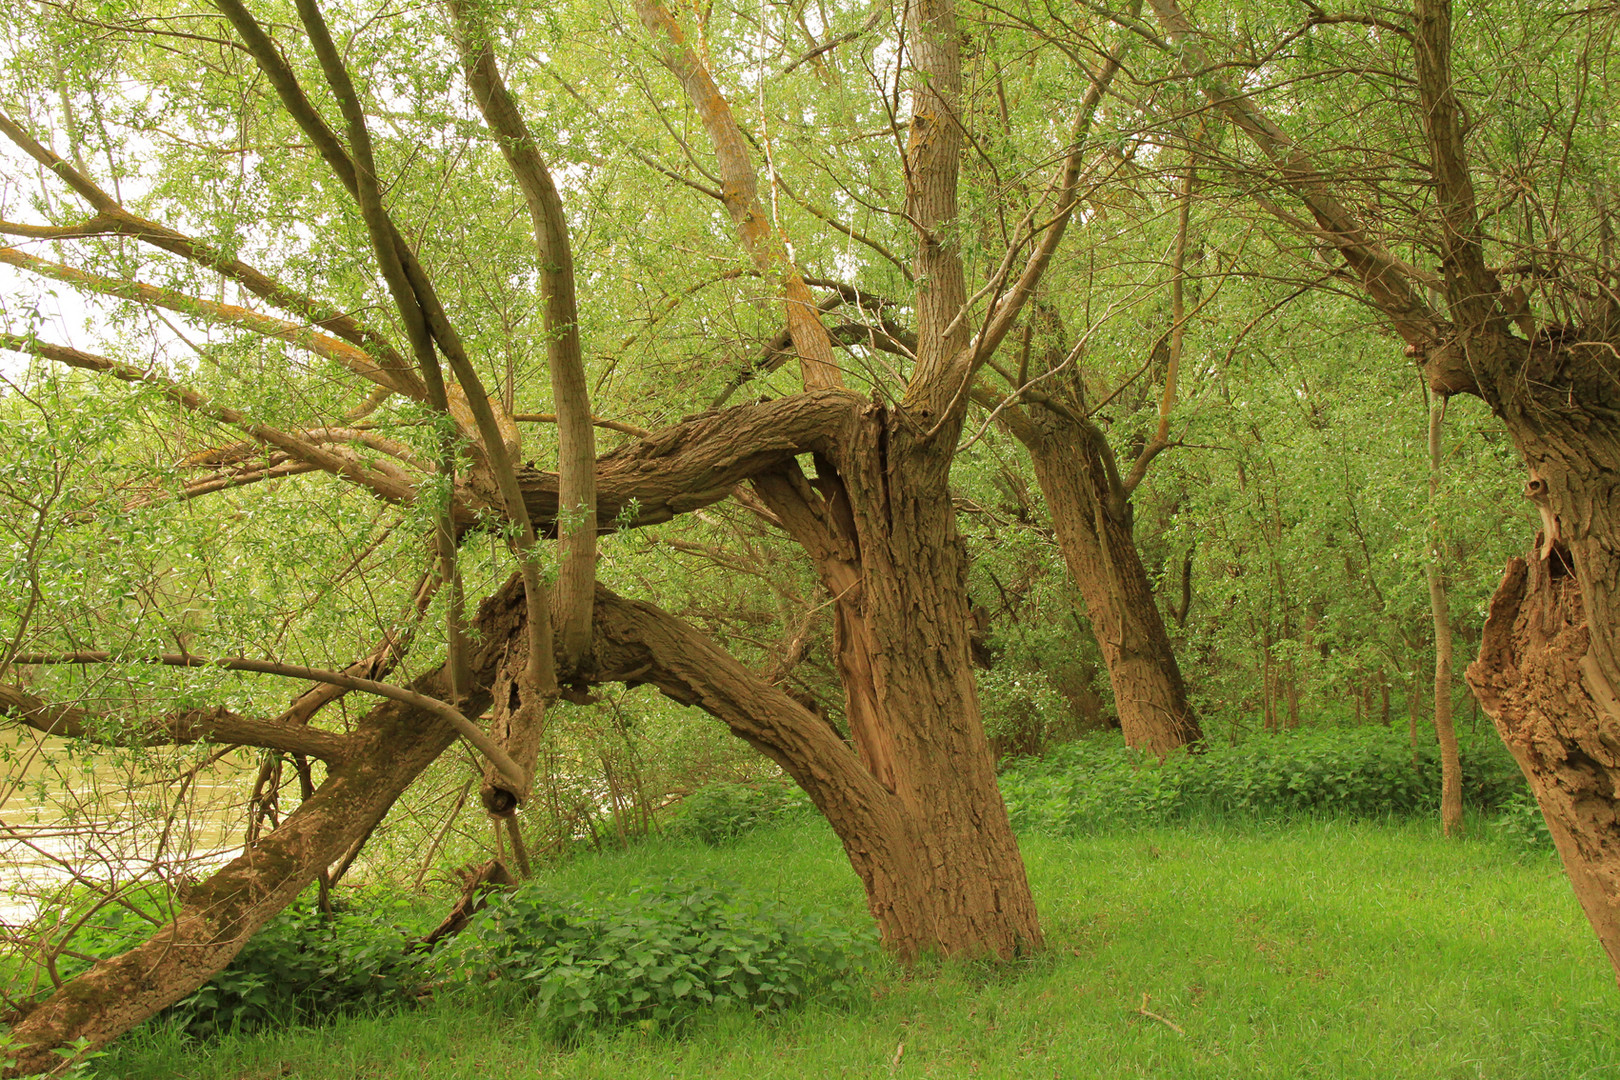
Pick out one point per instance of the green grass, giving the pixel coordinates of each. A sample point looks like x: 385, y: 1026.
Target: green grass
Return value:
x: 1319, y: 949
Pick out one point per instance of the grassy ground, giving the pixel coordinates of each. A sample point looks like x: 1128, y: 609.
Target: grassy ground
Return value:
x: 1323, y: 949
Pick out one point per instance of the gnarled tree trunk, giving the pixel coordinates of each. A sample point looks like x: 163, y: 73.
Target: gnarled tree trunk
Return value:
x: 1547, y: 672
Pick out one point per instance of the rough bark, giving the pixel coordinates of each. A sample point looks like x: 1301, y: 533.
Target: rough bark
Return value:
x: 926, y: 830
x: 1547, y: 673
x: 1100, y: 551
x: 697, y: 462
x: 1538, y: 681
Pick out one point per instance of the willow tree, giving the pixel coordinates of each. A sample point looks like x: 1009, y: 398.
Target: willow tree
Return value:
x: 307, y: 191
x: 1427, y: 181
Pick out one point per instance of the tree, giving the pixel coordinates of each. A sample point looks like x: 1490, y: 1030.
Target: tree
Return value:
x: 344, y: 145
x: 1539, y: 352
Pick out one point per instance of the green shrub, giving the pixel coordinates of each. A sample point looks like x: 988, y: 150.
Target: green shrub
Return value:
x: 1364, y: 772
x: 305, y: 965
x: 656, y: 955
x: 1520, y: 822
x: 721, y: 813
x: 302, y: 965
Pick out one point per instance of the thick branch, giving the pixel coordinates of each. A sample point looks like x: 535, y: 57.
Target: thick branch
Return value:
x: 638, y: 643
x: 699, y: 461
x: 576, y: 439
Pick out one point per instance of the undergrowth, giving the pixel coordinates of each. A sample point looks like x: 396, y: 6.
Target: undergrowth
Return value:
x: 1098, y: 784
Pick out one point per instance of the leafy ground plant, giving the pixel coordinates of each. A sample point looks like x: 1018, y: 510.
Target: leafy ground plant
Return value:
x: 721, y: 813
x: 1363, y: 772
x: 655, y: 955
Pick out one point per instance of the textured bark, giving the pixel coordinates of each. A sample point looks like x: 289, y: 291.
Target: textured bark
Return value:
x: 915, y: 800
x: 1537, y: 680
x: 1101, y: 554
x: 697, y: 462
x: 1547, y: 673
x: 576, y: 437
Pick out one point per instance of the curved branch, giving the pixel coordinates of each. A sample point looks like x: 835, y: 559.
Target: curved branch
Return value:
x: 576, y: 439
x: 699, y: 461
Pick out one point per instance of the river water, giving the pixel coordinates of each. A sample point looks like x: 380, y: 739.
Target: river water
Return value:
x: 107, y: 820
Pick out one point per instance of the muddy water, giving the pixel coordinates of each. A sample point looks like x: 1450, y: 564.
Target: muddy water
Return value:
x: 68, y: 818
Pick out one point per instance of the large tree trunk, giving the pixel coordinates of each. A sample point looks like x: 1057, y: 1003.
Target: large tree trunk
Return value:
x: 939, y: 865
x: 1547, y: 671
x: 879, y: 524
x: 1102, y: 558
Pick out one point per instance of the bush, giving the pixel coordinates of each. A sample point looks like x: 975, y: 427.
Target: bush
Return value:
x: 656, y: 955
x: 1359, y: 772
x: 1521, y: 823
x: 304, y: 965
x: 721, y: 813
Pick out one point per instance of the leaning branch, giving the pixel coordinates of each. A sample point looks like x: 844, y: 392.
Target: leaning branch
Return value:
x: 701, y: 460
x: 442, y: 709
x: 1393, y: 286
x: 350, y: 356
x: 741, y: 197
x: 190, y: 726
x: 1065, y: 197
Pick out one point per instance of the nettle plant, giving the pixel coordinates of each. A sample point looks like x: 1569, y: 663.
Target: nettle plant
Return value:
x: 657, y: 955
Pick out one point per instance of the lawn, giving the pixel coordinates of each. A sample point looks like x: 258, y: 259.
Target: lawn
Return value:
x: 1325, y: 948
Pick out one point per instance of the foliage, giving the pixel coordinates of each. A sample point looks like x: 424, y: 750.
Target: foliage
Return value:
x: 1520, y: 822
x: 655, y: 954
x: 77, y: 1059
x: 302, y: 965
x: 1365, y: 772
x: 306, y: 965
x: 721, y: 813
x: 1319, y: 950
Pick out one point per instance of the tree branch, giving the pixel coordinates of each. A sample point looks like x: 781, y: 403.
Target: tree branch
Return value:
x: 741, y: 196
x: 385, y: 481
x: 442, y: 709
x: 192, y: 725
x: 112, y: 219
